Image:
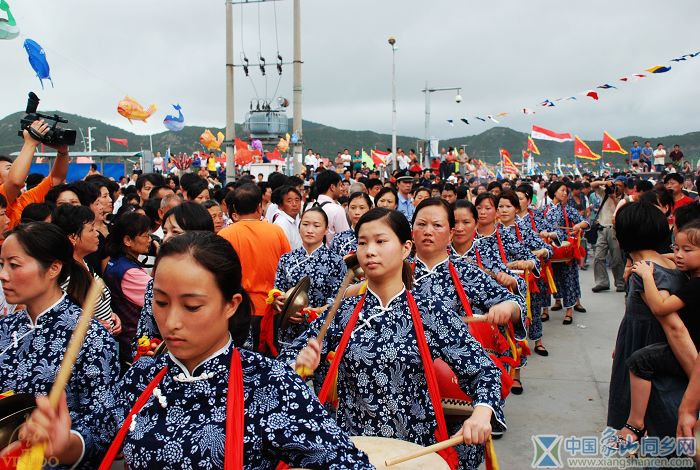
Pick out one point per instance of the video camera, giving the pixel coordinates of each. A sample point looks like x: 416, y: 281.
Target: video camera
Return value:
x: 55, y: 135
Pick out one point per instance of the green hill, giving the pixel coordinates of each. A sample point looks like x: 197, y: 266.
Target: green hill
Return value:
x: 329, y: 140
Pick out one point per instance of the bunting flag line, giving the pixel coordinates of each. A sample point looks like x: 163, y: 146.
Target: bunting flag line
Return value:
x: 501, y: 114
x: 593, y: 94
x: 606, y: 86
x: 611, y: 145
x: 582, y: 150
x: 531, y: 146
x: 480, y: 119
x: 464, y: 121
x: 547, y: 103
x: 527, y: 111
x: 546, y: 134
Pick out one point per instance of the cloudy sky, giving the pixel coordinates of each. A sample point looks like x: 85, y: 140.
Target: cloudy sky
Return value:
x: 505, y: 55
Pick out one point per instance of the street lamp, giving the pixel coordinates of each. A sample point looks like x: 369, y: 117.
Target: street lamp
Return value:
x: 428, y: 91
x: 392, y: 43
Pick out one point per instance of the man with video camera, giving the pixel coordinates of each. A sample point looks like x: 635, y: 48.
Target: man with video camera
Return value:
x: 611, y: 191
x: 14, y: 173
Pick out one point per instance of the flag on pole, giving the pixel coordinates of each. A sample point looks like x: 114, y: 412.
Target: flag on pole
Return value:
x: 531, y: 146
x: 546, y: 134
x: 367, y: 159
x: 610, y: 144
x: 582, y: 150
x: 123, y: 142
x: 378, y: 157
x: 508, y: 165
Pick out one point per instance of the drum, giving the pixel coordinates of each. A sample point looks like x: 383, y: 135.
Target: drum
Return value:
x: 563, y: 253
x: 455, y: 403
x: 379, y: 449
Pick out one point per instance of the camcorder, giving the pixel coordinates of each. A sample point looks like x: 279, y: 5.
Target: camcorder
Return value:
x: 56, y: 135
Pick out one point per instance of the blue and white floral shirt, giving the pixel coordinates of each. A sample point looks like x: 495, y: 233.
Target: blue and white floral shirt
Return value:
x: 31, y: 354
x: 344, y: 243
x: 186, y: 429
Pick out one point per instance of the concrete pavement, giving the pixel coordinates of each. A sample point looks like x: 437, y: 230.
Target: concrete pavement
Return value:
x: 565, y: 393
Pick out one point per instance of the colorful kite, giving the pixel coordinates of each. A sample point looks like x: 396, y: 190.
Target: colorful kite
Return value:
x: 132, y: 109
x: 8, y: 27
x: 175, y: 123
x: 37, y: 59
x: 209, y: 141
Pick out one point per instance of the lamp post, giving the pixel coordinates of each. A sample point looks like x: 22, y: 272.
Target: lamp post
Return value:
x: 427, y: 90
x: 392, y: 43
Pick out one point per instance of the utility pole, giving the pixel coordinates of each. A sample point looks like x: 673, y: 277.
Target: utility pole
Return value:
x: 297, y: 149
x: 230, y: 123
x: 90, y: 139
x: 392, y: 164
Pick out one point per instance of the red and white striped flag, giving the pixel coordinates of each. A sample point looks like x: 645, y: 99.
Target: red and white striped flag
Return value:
x: 508, y: 165
x: 546, y: 134
x: 379, y: 157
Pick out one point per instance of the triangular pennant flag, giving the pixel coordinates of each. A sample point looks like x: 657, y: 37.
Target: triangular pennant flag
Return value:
x: 606, y: 86
x: 531, y: 146
x: 610, y: 144
x: 451, y: 122
x: 492, y: 118
x: 547, y: 103
x: 480, y: 119
x: 624, y: 79
x: 582, y: 150
x: 527, y: 111
x: 464, y: 120
x: 501, y: 114
x: 659, y: 69
x: 593, y: 94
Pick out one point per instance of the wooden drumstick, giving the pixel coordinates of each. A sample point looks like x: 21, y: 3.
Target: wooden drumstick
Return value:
x: 425, y: 451
x: 32, y: 457
x: 303, y: 371
x: 475, y: 319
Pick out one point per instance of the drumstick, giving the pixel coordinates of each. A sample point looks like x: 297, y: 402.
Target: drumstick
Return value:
x: 303, y: 371
x: 34, y: 455
x: 475, y: 319
x: 425, y: 451
x: 77, y: 341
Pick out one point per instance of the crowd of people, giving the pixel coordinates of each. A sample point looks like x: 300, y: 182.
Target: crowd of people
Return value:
x: 459, y: 272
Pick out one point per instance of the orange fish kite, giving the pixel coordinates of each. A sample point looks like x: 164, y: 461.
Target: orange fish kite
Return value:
x: 210, y: 142
x: 132, y: 109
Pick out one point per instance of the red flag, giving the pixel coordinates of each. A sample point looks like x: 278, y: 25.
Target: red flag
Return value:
x: 593, y: 95
x: 610, y: 144
x: 582, y: 150
x: 274, y: 155
x: 124, y: 142
x: 508, y: 165
x: 240, y: 144
x: 379, y: 157
x: 531, y: 146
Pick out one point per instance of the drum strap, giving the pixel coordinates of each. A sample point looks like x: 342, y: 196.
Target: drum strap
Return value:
x: 233, y: 446
x: 450, y: 455
x: 532, y: 220
x: 500, y: 247
x: 517, y: 232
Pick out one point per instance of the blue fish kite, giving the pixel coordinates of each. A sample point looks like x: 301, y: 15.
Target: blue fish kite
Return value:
x: 8, y: 27
x: 37, y: 59
x: 175, y: 123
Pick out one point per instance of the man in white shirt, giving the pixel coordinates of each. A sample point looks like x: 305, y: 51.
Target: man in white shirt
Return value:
x: 288, y: 215
x: 328, y: 186
x: 310, y: 162
x: 659, y: 158
x: 347, y: 159
x: 158, y: 163
x: 402, y: 159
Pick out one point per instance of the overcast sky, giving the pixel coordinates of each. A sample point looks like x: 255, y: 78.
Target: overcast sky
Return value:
x: 505, y: 55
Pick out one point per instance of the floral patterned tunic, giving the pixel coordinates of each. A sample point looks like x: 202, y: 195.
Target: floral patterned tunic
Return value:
x: 382, y: 389
x: 326, y: 270
x: 344, y: 242
x: 185, y: 429
x: 565, y: 275
x: 31, y: 354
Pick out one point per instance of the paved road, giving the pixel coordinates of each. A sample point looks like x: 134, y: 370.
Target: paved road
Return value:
x: 565, y: 393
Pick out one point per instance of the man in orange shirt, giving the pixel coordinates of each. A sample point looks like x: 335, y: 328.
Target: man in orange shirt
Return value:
x: 259, y: 245
x: 14, y: 174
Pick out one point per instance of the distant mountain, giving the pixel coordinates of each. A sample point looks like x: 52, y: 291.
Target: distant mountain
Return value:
x: 329, y: 140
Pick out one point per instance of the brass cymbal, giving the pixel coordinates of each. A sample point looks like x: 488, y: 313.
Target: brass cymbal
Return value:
x: 14, y: 411
x: 296, y: 299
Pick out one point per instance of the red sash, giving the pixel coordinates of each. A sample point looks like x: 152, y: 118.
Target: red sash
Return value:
x: 233, y: 447
x: 449, y: 455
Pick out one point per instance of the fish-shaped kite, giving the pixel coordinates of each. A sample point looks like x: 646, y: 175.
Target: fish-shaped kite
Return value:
x: 175, y: 123
x: 8, y: 27
x: 209, y: 141
x: 37, y: 59
x: 132, y: 109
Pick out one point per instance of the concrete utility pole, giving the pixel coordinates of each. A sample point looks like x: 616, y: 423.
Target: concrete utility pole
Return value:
x: 297, y: 149
x: 428, y: 91
x: 392, y: 164
x: 230, y: 123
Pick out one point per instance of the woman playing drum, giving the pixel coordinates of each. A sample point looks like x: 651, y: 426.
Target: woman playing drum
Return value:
x: 385, y: 342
